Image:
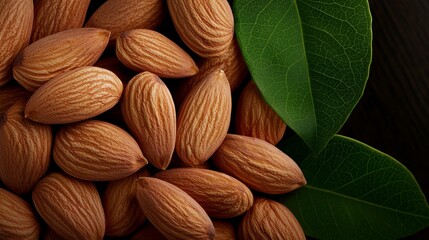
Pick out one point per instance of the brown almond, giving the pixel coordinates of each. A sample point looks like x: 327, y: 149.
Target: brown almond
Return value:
x: 269, y: 220
x: 52, y: 16
x: 255, y: 118
x: 97, y: 151
x: 16, y: 18
x: 25, y: 149
x: 74, y: 96
x: 119, y: 16
x: 220, y: 195
x: 206, y: 28
x: 123, y: 213
x: 224, y: 230
x: 148, y: 232
x: 147, y: 50
x: 58, y: 53
x: 10, y: 94
x: 17, y: 219
x: 172, y: 211
x: 149, y: 112
x: 258, y: 164
x: 71, y: 207
x: 204, y: 119
x: 231, y: 62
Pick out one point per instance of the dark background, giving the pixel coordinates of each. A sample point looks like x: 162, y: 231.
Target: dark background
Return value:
x: 393, y: 114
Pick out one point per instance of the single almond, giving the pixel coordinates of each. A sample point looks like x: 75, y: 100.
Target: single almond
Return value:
x: 149, y: 112
x: 71, y: 207
x: 25, y: 149
x: 224, y: 230
x: 52, y: 16
x: 16, y: 18
x: 17, y: 219
x: 172, y: 211
x: 255, y: 118
x: 147, y: 50
x: 58, y: 53
x: 74, y: 96
x: 204, y: 119
x: 258, y: 164
x: 10, y: 94
x: 119, y: 16
x: 123, y: 213
x: 206, y: 28
x: 269, y: 220
x: 220, y: 195
x: 148, y: 232
x: 97, y: 151
x: 231, y: 62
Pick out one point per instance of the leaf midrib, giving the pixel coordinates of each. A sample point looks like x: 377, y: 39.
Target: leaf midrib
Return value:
x: 365, y: 202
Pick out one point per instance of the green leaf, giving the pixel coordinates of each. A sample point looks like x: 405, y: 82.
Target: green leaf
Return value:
x: 309, y: 58
x: 356, y: 192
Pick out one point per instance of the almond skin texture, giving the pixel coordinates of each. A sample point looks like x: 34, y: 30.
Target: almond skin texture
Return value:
x: 207, y: 26
x: 17, y: 219
x: 52, y: 16
x: 25, y: 149
x: 220, y: 195
x: 147, y: 50
x: 148, y: 232
x: 71, y: 207
x: 149, y: 112
x: 258, y: 164
x: 58, y: 53
x: 74, y: 96
x: 9, y: 94
x: 204, y: 119
x: 224, y: 230
x: 97, y: 151
x: 269, y: 220
x: 17, y: 21
x: 255, y: 118
x: 231, y: 62
x: 123, y: 213
x: 173, y: 212
x: 119, y: 16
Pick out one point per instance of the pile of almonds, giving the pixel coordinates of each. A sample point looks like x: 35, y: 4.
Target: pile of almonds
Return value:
x: 88, y: 153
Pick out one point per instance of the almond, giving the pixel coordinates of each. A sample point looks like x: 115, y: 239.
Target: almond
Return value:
x: 207, y: 28
x: 148, y: 232
x: 17, y: 219
x: 74, y: 96
x: 97, y: 151
x: 9, y: 94
x: 71, y: 207
x: 52, y: 16
x: 147, y: 50
x: 220, y: 195
x: 269, y: 220
x: 25, y: 149
x: 255, y: 118
x: 258, y: 164
x: 58, y: 53
x: 231, y: 62
x: 204, y: 119
x: 17, y: 21
x: 224, y: 230
x: 173, y: 212
x: 119, y: 16
x: 149, y: 112
x: 123, y: 213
